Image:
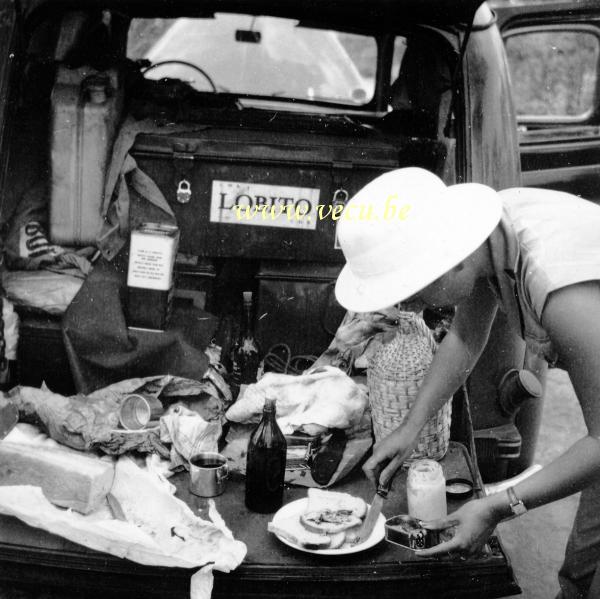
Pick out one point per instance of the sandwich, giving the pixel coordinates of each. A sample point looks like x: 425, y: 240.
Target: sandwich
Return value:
x: 330, y: 520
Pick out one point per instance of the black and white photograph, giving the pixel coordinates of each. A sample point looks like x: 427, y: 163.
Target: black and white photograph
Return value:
x: 299, y: 298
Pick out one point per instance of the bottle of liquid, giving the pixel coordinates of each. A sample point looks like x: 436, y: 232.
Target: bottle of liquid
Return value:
x: 265, y: 464
x: 426, y: 490
x: 245, y: 353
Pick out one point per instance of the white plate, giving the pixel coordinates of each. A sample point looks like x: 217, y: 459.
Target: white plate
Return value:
x: 295, y: 508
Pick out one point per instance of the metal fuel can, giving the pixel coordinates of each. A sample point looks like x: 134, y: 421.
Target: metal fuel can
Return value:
x: 150, y: 275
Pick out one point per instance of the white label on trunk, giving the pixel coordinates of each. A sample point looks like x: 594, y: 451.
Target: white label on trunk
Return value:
x: 237, y: 203
x: 150, y: 261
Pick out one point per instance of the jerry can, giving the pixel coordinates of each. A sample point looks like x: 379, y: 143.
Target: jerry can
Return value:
x: 86, y: 108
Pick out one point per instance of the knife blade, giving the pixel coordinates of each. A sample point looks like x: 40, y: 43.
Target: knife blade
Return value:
x: 9, y: 416
x: 373, y: 514
x: 377, y: 504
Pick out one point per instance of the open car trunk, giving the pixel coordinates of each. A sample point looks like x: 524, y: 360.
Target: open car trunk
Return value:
x: 118, y: 122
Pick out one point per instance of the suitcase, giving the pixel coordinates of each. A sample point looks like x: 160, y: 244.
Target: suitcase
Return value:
x: 217, y: 179
x: 86, y: 109
x: 296, y: 305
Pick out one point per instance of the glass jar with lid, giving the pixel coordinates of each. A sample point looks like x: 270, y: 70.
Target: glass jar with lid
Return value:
x: 426, y: 490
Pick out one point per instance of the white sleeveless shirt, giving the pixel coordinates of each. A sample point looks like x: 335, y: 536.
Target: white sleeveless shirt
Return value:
x: 546, y: 240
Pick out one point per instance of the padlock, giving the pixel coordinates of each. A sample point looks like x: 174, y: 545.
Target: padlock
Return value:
x: 340, y: 197
x: 184, y: 191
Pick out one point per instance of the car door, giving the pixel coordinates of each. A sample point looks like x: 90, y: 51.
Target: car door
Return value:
x: 8, y: 70
x: 553, y: 51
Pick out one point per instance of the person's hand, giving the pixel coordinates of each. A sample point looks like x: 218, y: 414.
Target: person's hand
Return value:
x: 473, y: 524
x: 388, y: 455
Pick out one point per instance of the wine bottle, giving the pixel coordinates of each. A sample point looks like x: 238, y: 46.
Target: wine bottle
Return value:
x: 245, y: 353
x: 265, y: 463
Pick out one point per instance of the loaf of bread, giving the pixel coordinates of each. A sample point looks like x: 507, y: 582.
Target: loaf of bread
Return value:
x: 68, y: 478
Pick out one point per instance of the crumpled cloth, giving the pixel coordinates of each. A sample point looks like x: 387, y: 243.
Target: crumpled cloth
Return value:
x: 360, y: 334
x: 320, y: 399
x: 51, y: 292
x: 188, y: 433
x: 124, y: 174
x: 153, y: 514
x: 27, y: 246
x: 102, y: 349
x: 91, y: 422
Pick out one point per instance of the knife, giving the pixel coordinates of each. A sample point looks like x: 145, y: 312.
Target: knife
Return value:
x: 380, y: 495
x: 373, y: 514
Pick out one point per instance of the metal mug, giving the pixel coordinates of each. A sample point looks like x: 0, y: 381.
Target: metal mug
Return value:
x: 138, y: 409
x: 208, y: 473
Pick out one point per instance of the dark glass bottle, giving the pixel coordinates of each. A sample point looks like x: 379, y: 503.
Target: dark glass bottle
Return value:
x: 265, y: 464
x: 245, y: 353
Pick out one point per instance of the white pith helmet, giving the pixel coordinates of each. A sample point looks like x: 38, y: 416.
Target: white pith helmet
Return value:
x: 404, y: 230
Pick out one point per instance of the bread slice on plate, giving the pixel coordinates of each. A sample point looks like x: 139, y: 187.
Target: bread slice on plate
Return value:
x: 328, y: 521
x: 320, y: 499
x: 337, y: 540
x: 332, y: 512
x: 292, y: 530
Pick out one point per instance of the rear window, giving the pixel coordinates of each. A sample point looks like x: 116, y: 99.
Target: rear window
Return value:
x: 258, y: 56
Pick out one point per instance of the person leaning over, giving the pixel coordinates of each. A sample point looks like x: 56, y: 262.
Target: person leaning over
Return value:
x: 535, y: 255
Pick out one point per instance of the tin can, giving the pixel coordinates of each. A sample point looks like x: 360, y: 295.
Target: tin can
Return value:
x: 138, y: 410
x: 407, y: 531
x: 150, y: 275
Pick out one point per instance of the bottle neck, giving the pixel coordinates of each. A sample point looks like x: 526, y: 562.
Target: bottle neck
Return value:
x: 247, y: 326
x: 269, y: 411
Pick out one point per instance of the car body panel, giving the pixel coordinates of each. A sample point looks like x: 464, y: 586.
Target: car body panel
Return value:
x: 352, y: 11
x: 8, y: 69
x: 557, y: 153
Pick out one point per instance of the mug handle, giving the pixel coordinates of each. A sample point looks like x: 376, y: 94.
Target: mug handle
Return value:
x: 223, y: 472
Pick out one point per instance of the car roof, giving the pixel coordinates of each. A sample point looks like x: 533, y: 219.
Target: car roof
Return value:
x: 507, y: 10
x: 358, y: 13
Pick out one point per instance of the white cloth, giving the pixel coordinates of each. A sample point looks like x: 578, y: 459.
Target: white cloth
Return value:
x: 152, y: 513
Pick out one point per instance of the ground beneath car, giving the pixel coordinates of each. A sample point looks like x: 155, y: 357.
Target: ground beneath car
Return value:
x: 535, y: 542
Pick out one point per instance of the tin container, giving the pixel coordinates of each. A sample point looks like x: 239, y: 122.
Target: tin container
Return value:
x: 150, y: 275
x: 407, y: 531
x: 138, y: 410
x: 208, y: 473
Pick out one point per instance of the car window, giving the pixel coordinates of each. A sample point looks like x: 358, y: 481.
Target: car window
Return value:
x: 553, y: 73
x: 261, y: 56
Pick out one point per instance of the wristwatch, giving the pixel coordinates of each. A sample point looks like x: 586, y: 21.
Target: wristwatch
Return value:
x: 517, y: 507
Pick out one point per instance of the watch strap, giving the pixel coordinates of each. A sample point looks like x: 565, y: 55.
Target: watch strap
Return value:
x: 517, y: 507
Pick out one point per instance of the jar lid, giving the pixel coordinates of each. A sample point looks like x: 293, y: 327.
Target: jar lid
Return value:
x: 459, y: 488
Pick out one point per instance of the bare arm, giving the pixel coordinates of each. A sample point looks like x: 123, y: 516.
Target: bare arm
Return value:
x: 454, y: 360
x: 572, y: 319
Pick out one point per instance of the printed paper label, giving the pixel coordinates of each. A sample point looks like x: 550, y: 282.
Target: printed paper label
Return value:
x: 238, y: 203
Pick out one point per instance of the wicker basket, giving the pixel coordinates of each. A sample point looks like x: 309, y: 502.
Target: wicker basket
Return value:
x: 395, y: 373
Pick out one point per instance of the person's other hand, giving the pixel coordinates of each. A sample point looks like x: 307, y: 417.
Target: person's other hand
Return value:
x: 473, y: 524
x: 388, y: 455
